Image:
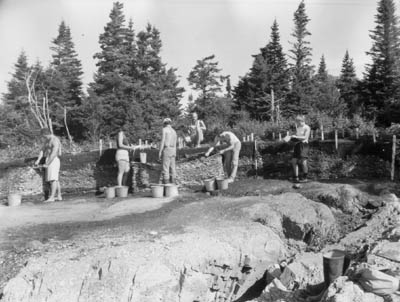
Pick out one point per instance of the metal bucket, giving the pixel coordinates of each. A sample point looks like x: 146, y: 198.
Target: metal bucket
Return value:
x: 333, y: 264
x: 222, y: 184
x: 157, y: 191
x: 210, y: 184
x: 121, y: 191
x: 143, y: 157
x: 14, y: 199
x: 171, y: 190
x: 110, y: 192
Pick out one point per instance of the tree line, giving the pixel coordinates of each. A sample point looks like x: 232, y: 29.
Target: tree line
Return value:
x: 133, y: 89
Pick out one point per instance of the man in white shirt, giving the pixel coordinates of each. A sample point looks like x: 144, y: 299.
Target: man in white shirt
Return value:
x: 301, y: 149
x: 231, y: 153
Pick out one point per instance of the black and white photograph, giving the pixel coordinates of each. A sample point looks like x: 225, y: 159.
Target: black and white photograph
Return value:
x: 199, y: 150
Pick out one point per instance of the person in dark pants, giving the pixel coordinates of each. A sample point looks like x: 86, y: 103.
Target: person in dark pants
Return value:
x: 301, y: 149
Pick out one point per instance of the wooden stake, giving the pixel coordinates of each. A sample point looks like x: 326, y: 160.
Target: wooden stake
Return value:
x: 252, y: 137
x: 374, y: 136
x: 140, y: 142
x: 248, y: 138
x: 280, y: 136
x: 110, y: 145
x: 255, y: 158
x: 244, y: 138
x: 100, y: 146
x: 357, y: 133
x: 393, y: 158
x: 312, y: 134
x: 336, y: 139
x: 322, y: 133
x: 273, y: 135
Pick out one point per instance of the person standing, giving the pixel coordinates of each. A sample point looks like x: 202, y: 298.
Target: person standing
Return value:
x: 301, y: 149
x: 196, y: 129
x: 51, y: 151
x: 230, y: 154
x: 122, y: 158
x: 168, y: 152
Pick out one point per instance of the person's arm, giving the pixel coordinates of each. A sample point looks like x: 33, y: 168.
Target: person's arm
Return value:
x: 162, y: 143
x: 202, y: 126
x: 305, y: 135
x: 55, y: 146
x: 230, y: 147
x: 39, y: 157
x: 121, y: 144
x: 216, y: 143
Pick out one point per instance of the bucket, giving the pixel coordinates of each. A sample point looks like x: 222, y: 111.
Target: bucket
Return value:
x: 110, y: 192
x: 121, y: 191
x: 143, y: 157
x: 14, y: 199
x: 171, y: 190
x: 333, y: 263
x: 210, y: 184
x: 157, y: 191
x: 222, y: 184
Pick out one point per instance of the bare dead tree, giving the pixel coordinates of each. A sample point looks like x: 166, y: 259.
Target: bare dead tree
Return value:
x: 39, y: 109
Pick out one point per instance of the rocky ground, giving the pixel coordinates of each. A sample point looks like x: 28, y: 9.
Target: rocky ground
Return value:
x: 261, y: 240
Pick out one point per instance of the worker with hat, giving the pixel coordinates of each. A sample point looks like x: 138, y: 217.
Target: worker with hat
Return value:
x: 168, y: 152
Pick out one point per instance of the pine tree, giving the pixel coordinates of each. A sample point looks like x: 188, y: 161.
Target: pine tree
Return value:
x: 132, y: 90
x: 300, y: 99
x: 382, y: 76
x: 347, y: 84
x: 322, y: 74
x: 269, y: 72
x: 206, y: 78
x: 65, y: 84
x: 327, y: 96
x: 17, y: 92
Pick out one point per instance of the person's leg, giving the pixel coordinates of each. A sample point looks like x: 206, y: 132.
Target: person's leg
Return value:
x: 228, y: 157
x: 235, y: 161
x: 166, y: 161
x: 173, y: 169
x: 53, y: 189
x: 304, y: 168
x: 125, y: 175
x: 121, y: 171
x: 59, y: 196
x: 295, y: 168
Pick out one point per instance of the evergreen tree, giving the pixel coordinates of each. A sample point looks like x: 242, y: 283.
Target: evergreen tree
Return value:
x: 17, y: 92
x: 65, y: 84
x: 347, y: 84
x: 269, y: 72
x: 382, y: 76
x: 300, y: 98
x: 112, y: 87
x: 132, y: 90
x: 322, y: 74
x: 205, y: 78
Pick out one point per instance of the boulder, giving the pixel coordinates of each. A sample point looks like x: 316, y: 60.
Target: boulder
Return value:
x: 343, y: 290
x: 305, y: 269
x: 294, y: 216
x: 175, y: 267
x: 388, y: 250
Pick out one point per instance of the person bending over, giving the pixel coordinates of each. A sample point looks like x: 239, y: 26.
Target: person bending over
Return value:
x: 122, y: 158
x: 301, y: 149
x: 168, y: 152
x: 51, y: 151
x: 230, y: 154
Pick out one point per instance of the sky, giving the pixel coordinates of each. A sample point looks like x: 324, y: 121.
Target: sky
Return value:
x: 232, y: 30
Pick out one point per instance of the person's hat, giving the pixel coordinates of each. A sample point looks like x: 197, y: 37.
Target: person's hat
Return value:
x: 167, y: 120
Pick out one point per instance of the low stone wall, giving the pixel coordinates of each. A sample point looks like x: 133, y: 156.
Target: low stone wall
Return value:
x: 354, y: 159
x: 90, y: 171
